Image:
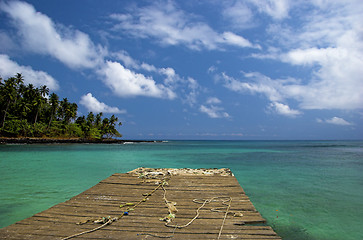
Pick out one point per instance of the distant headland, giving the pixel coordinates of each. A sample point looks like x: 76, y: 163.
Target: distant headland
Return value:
x: 30, y: 114
x: 4, y: 140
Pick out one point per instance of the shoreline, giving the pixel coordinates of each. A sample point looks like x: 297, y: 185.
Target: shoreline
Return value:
x: 26, y: 140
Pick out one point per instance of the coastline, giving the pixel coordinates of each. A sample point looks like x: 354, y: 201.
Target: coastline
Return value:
x: 4, y: 140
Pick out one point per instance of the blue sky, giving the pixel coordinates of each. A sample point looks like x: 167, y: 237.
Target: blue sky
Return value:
x: 254, y: 69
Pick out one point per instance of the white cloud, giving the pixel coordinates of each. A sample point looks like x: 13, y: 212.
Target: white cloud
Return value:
x: 213, y: 100
x: 274, y: 90
x: 233, y: 39
x: 329, y: 43
x: 93, y: 105
x: 277, y: 9
x: 239, y: 14
x: 130, y: 62
x: 337, y: 83
x: 171, y: 76
x: 244, y: 14
x: 9, y: 68
x: 255, y: 83
x: 38, y: 33
x: 190, y: 88
x: 212, y: 69
x: 335, y: 121
x: 126, y: 83
x: 169, y: 25
x: 284, y: 109
x: 314, y: 55
x: 149, y: 67
x: 191, y: 91
x: 126, y: 59
x: 338, y: 93
x: 214, y: 111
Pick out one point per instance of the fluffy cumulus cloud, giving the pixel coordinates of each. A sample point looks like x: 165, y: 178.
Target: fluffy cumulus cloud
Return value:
x: 337, y: 83
x: 126, y: 83
x: 330, y: 44
x: 169, y: 25
x: 126, y: 59
x: 8, y: 68
x: 335, y: 121
x: 189, y: 87
x: 38, y: 33
x: 338, y: 94
x: 93, y: 105
x: 284, y: 109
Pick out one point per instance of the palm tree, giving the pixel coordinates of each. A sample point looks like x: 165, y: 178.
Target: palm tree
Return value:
x: 90, y: 118
x: 98, y: 119
x: 19, y: 85
x: 8, y: 93
x: 54, y: 105
x: 64, y: 105
x: 108, y: 127
x: 67, y: 110
x: 73, y: 111
x: 37, y: 103
x: 29, y: 96
x: 44, y: 91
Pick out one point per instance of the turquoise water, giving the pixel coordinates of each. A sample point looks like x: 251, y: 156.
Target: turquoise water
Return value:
x: 305, y: 189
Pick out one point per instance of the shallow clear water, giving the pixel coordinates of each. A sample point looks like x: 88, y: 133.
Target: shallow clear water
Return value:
x: 305, y: 189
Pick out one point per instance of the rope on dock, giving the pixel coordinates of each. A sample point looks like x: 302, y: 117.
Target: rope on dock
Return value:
x: 168, y: 219
x: 229, y: 200
x: 203, y: 204
x: 110, y: 220
x: 224, y: 219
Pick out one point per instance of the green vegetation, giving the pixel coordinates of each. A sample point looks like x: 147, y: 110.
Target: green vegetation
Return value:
x: 26, y: 111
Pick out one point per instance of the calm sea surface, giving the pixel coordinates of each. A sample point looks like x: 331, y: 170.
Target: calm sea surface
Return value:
x: 305, y: 189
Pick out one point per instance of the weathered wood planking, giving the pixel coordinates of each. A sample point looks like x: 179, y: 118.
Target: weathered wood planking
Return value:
x: 104, y: 200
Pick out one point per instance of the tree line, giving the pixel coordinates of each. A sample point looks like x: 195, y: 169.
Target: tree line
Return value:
x: 28, y: 111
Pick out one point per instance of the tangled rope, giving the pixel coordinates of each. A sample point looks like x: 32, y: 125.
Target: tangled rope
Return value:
x: 213, y: 209
x: 173, y: 210
x: 169, y: 218
x: 108, y: 220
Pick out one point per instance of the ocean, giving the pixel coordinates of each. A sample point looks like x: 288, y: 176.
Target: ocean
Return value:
x: 309, y: 190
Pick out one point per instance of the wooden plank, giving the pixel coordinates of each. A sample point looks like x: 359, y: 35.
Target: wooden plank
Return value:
x: 143, y: 222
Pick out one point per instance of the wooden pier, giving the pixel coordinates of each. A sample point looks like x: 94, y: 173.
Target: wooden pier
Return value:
x: 139, y: 205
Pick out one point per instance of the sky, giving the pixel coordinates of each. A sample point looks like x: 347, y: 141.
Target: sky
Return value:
x: 209, y: 69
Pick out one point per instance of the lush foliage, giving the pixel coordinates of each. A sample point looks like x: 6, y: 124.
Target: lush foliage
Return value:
x: 27, y: 111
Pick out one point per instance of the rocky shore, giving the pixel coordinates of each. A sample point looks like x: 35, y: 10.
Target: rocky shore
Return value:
x: 156, y: 172
x: 68, y: 140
